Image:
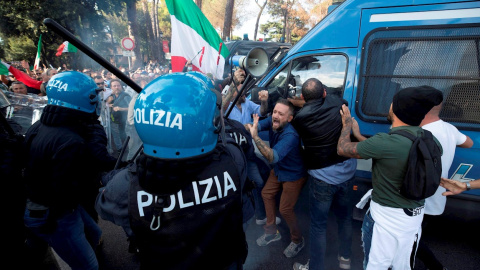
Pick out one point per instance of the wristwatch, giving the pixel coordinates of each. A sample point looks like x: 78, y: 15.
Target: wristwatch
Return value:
x: 468, y: 185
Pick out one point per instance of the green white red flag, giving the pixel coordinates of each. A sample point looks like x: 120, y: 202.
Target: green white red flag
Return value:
x: 19, y: 75
x: 37, y: 58
x: 193, y: 34
x: 65, y: 47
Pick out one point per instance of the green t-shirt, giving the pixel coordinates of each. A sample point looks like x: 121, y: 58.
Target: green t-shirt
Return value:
x: 389, y: 154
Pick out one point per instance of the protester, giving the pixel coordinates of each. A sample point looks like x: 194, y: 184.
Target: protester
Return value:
x: 182, y: 196
x: 392, y: 225
x: 19, y: 88
x: 118, y: 103
x: 287, y: 174
x: 61, y: 168
x: 243, y: 110
x: 188, y: 66
x: 449, y: 137
x: 135, y: 142
x: 33, y: 86
x: 331, y: 176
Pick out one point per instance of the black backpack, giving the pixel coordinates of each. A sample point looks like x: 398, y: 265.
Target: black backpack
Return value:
x: 424, y: 166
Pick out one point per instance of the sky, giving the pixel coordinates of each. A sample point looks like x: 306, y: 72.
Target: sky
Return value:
x: 249, y: 25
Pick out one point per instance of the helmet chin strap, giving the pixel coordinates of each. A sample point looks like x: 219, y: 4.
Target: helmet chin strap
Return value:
x: 223, y: 135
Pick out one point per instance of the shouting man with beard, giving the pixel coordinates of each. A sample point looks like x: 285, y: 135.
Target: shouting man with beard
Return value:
x: 288, y: 173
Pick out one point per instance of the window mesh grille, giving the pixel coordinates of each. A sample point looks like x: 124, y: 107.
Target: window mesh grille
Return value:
x: 447, y: 59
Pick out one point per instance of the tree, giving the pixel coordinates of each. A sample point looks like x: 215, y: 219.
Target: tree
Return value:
x: 155, y: 30
x: 317, y: 10
x: 199, y: 4
x: 273, y: 28
x: 227, y: 25
x: 133, y: 30
x: 281, y: 9
x: 152, y: 49
x: 25, y: 18
x: 262, y: 7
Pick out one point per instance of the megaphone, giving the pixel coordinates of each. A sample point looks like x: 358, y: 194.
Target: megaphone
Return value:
x: 256, y: 62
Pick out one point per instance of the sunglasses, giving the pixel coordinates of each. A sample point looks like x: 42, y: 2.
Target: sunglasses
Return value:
x: 100, y: 83
x: 38, y: 73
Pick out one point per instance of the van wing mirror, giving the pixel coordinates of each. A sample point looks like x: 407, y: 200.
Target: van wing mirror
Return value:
x: 254, y: 93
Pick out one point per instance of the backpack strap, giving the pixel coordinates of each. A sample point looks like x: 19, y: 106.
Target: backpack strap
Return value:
x: 408, y: 135
x: 405, y: 134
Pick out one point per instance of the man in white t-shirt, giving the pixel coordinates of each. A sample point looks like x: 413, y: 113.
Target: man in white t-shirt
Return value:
x: 449, y: 137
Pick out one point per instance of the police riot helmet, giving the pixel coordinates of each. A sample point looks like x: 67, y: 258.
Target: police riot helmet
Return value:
x: 204, y: 78
x: 74, y: 90
x: 178, y: 116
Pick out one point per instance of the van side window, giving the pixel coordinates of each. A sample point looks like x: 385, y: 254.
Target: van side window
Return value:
x: 329, y: 69
x: 447, y: 59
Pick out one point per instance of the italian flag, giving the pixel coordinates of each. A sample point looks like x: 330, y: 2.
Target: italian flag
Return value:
x: 195, y: 39
x: 19, y: 75
x: 37, y: 58
x: 65, y: 47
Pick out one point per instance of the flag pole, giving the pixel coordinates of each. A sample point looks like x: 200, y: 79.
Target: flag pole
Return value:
x: 218, y: 58
x: 197, y: 54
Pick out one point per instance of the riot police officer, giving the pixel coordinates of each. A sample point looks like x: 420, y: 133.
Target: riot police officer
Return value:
x: 184, y: 191
x: 66, y: 151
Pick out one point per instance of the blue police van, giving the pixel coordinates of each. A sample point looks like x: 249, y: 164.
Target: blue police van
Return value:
x: 366, y: 51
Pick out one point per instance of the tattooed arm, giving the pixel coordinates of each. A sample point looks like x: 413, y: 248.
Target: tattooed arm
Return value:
x: 228, y: 97
x: 266, y: 151
x: 345, y: 146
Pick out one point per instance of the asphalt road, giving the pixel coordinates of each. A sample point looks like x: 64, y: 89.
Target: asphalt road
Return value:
x: 452, y: 238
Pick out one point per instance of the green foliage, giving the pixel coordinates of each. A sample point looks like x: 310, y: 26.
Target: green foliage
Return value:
x: 100, y: 24
x: 273, y: 29
x: 24, y: 18
x: 19, y: 48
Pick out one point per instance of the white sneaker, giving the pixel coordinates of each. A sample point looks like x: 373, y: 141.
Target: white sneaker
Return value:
x: 343, y: 263
x: 293, y: 249
x: 264, y: 221
x: 299, y: 266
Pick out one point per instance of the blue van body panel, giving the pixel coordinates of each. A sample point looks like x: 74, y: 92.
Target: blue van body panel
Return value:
x: 344, y: 30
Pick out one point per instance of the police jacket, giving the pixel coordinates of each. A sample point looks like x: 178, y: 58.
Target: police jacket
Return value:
x: 192, y: 221
x: 66, y: 150
x: 319, y: 124
x: 243, y: 138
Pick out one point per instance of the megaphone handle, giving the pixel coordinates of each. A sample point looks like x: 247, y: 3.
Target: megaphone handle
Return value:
x: 238, y: 95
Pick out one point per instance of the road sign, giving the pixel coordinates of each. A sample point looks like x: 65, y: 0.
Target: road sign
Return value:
x: 128, y: 44
x: 128, y: 53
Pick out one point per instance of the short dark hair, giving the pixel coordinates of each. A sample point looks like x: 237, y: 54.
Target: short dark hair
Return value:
x: 98, y: 77
x: 17, y: 82
x: 115, y: 80
x: 312, y: 89
x: 285, y: 102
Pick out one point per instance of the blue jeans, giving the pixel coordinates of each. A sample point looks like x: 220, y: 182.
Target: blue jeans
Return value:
x: 253, y: 174
x: 367, y: 232
x: 322, y: 196
x: 119, y: 134
x: 74, y: 238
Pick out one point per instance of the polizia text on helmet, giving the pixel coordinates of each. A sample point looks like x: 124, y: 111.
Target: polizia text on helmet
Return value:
x: 159, y: 118
x: 59, y: 84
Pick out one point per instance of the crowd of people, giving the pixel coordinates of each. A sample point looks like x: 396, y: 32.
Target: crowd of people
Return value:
x: 184, y: 183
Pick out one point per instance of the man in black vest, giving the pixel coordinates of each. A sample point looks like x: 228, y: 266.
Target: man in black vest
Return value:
x: 330, y: 175
x: 182, y: 198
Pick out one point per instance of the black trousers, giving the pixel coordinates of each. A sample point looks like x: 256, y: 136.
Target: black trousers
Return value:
x: 423, y: 252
